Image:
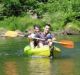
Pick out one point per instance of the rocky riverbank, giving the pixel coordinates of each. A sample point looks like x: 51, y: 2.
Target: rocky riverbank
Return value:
x: 17, y: 33
x: 9, y: 33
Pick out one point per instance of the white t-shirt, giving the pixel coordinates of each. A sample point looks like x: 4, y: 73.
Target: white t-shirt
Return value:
x: 32, y: 35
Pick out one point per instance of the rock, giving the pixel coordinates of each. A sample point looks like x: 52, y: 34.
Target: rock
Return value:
x: 11, y: 34
x: 71, y: 29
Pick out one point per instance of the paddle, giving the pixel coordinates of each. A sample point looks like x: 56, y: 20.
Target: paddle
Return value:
x: 66, y: 43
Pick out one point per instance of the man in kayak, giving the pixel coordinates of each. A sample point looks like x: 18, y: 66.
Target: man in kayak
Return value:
x: 49, y: 38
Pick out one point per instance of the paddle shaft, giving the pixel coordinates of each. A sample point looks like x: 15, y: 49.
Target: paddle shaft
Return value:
x: 65, y: 43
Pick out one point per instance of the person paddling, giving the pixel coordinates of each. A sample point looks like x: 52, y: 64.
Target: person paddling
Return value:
x: 49, y: 38
x: 34, y: 36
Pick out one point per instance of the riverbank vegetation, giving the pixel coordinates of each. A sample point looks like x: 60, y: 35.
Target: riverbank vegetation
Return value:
x: 63, y: 15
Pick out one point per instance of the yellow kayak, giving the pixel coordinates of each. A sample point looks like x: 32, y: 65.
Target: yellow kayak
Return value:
x: 43, y: 51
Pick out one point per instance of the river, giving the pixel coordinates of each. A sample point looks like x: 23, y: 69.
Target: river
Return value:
x: 14, y: 62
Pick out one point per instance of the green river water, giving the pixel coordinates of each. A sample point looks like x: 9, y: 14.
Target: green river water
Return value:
x: 14, y: 62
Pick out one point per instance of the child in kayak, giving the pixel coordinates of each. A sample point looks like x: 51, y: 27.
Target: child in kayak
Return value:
x: 34, y: 37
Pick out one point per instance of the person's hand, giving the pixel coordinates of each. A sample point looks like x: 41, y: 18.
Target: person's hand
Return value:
x: 53, y: 39
x: 49, y: 40
x: 31, y: 36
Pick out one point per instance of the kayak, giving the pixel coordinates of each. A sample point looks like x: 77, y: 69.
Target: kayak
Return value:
x: 43, y: 51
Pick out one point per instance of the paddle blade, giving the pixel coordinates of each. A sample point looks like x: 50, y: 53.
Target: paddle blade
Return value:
x: 67, y: 43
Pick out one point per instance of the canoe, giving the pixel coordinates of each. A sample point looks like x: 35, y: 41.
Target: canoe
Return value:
x: 43, y: 51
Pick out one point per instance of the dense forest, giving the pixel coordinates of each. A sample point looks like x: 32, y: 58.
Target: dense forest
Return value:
x: 23, y: 14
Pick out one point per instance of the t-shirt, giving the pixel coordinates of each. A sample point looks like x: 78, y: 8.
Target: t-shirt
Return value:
x: 46, y: 36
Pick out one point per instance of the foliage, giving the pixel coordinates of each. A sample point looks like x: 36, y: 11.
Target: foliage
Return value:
x: 56, y: 12
x: 21, y: 23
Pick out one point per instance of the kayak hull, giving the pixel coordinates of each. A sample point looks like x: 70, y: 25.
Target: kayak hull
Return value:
x: 43, y: 51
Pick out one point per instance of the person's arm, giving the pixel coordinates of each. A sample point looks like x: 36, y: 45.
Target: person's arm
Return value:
x: 31, y: 36
x: 51, y: 37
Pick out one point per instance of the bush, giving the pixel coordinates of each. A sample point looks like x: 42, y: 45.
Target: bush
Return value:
x: 56, y: 12
x: 21, y: 23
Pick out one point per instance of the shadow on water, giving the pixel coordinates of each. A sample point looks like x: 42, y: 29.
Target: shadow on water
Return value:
x: 13, y: 62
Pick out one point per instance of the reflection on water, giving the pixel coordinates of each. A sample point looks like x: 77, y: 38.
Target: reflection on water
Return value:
x: 13, y: 62
x: 66, y: 67
x: 31, y: 66
x: 10, y: 68
x: 40, y: 67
